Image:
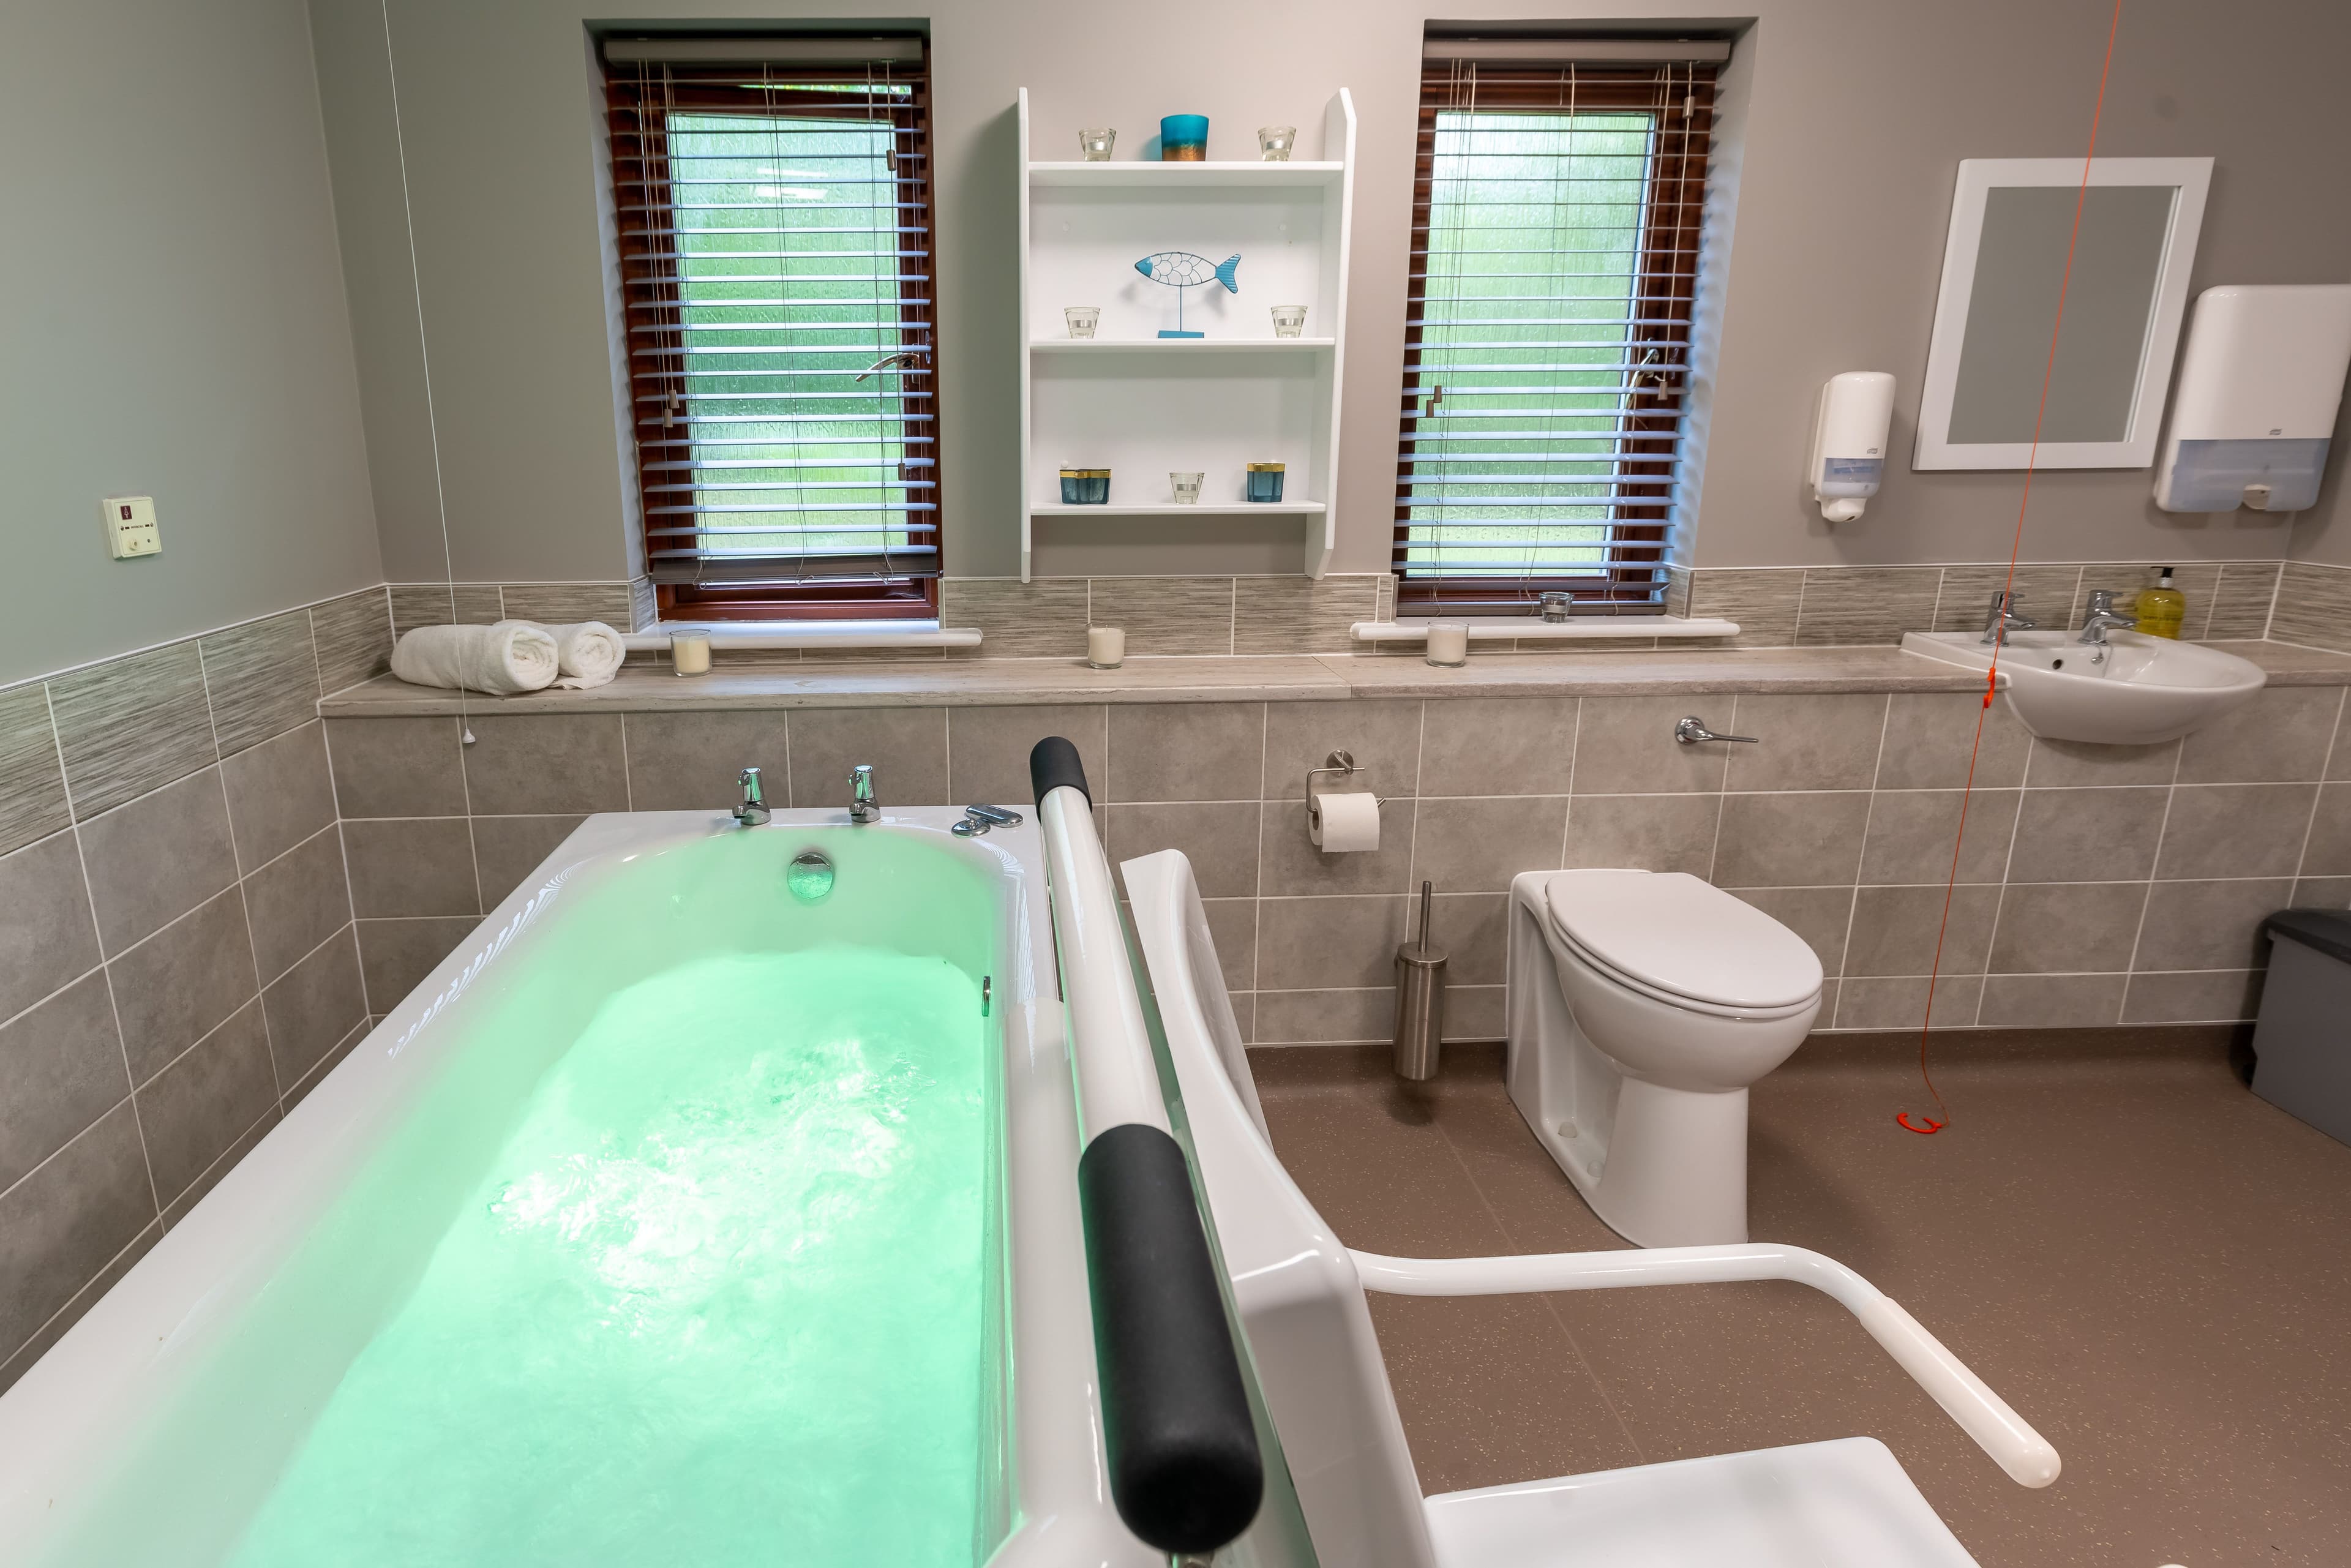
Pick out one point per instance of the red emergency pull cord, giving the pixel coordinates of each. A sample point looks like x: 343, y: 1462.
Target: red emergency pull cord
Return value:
x: 1930, y: 1124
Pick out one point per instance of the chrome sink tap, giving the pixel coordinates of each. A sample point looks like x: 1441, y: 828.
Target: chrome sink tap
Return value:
x: 2003, y: 618
x: 863, y: 807
x: 2101, y: 618
x: 753, y: 808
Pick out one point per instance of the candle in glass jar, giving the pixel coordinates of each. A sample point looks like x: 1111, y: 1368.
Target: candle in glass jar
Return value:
x: 689, y: 653
x: 1106, y: 646
x: 1449, y: 642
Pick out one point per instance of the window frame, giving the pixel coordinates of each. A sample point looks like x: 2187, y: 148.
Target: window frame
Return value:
x: 639, y: 138
x: 1631, y: 581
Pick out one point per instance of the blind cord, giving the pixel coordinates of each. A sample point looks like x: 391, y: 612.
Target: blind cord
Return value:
x: 425, y: 360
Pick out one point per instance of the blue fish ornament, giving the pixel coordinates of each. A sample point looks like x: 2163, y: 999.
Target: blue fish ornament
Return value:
x: 1180, y: 270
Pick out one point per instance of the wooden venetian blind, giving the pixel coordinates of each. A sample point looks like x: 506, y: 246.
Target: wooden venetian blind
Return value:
x: 1556, y: 213
x: 774, y: 208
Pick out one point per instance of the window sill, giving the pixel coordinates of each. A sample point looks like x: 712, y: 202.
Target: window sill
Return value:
x: 773, y: 634
x: 1534, y: 628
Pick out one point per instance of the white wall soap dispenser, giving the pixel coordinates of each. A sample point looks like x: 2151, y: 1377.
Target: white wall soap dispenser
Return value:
x: 2259, y: 386
x: 1849, y: 442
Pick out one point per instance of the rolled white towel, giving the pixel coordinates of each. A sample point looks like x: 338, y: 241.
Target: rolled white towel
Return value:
x: 588, y: 651
x: 510, y: 657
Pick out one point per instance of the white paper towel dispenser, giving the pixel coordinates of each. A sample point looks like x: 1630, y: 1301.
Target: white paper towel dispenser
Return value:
x: 2259, y: 386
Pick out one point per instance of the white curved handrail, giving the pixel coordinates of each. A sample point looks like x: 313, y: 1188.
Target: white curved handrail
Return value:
x: 1110, y: 1044
x: 2027, y: 1456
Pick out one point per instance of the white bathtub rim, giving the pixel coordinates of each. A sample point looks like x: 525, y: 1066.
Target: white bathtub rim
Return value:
x: 88, y: 1388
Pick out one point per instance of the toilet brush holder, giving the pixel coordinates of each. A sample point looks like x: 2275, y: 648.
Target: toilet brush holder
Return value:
x: 1420, y: 1000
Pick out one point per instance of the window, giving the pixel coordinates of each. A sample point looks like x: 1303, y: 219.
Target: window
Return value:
x: 773, y: 205
x: 1556, y: 213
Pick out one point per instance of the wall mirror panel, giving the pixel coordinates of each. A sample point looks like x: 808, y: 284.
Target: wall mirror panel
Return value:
x: 2004, y: 271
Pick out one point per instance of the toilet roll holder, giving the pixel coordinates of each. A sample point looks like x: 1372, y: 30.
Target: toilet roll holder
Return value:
x: 1342, y: 763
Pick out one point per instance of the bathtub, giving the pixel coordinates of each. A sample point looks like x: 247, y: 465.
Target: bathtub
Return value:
x: 215, y: 1407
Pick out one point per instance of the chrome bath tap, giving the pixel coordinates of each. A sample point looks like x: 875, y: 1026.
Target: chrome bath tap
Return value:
x: 2003, y: 618
x: 753, y: 808
x: 863, y: 807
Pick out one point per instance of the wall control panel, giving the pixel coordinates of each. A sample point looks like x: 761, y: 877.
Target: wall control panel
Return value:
x: 131, y: 526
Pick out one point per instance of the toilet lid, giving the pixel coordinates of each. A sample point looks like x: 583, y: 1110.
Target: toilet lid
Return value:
x: 1684, y: 936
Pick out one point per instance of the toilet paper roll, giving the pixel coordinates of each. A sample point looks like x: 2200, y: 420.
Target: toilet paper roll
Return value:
x: 1343, y: 823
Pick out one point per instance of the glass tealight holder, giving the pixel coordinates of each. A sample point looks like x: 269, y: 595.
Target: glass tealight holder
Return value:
x: 1289, y: 320
x: 1082, y: 319
x: 1264, y: 481
x: 1184, y: 139
x: 1187, y: 487
x: 1094, y: 146
x: 1274, y: 142
x: 1085, y: 486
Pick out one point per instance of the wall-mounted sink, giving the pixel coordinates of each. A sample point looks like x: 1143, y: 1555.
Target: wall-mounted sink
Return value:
x: 2133, y: 691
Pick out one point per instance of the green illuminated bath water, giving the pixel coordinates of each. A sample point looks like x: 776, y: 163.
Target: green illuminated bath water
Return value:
x: 718, y: 1301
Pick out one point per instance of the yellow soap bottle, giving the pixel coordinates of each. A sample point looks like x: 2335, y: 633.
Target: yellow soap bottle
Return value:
x: 2161, y: 608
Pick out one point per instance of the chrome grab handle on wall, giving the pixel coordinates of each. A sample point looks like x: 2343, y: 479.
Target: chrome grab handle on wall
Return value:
x: 1692, y: 730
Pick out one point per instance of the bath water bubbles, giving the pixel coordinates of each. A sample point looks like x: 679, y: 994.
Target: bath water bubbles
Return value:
x: 809, y: 876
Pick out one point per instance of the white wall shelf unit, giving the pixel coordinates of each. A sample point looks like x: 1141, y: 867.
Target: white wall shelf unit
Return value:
x: 1144, y: 406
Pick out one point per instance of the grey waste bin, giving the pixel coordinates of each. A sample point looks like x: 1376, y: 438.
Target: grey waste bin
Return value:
x: 2302, y: 1046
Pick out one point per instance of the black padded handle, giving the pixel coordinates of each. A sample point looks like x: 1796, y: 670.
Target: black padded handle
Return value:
x: 1053, y: 762
x: 1183, y: 1464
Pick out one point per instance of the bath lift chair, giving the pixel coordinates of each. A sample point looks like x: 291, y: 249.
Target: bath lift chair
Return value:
x: 1840, y: 1504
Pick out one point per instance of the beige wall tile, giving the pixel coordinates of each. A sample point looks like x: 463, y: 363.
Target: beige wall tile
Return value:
x: 1764, y: 603
x: 1497, y: 746
x: 1811, y: 742
x: 1299, y: 614
x: 2050, y: 1001
x: 1186, y: 751
x: 987, y: 751
x: 1792, y: 839
x: 2067, y: 928
x: 1163, y: 615
x: 1045, y: 618
x: 1645, y: 832
x: 1846, y: 606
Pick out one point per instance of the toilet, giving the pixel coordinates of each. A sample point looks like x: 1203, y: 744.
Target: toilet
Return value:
x: 1641, y: 1007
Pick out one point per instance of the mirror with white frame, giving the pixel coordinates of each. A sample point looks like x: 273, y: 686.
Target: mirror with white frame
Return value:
x: 2005, y: 268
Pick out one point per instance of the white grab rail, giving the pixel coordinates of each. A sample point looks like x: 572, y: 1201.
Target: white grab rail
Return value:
x: 2027, y: 1456
x: 1110, y: 1044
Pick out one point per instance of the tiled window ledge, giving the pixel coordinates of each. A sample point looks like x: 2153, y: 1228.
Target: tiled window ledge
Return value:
x: 1534, y: 628
x: 771, y: 636
x: 1320, y: 677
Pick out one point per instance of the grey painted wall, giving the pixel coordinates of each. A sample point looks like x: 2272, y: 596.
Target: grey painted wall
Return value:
x: 175, y: 325
x: 1855, y: 114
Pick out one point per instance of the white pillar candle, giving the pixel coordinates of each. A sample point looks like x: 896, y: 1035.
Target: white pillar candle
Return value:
x: 1106, y: 646
x: 689, y: 653
x: 1449, y: 642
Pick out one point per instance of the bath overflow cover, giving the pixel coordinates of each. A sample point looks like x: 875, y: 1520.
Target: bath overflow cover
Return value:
x: 809, y: 876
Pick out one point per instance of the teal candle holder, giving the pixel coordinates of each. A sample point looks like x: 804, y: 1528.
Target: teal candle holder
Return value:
x: 1184, y: 139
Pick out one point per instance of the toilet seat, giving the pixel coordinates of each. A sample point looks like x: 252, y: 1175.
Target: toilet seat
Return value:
x: 1680, y: 940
